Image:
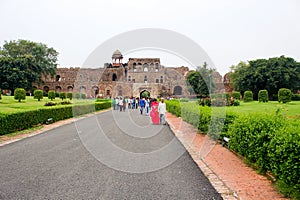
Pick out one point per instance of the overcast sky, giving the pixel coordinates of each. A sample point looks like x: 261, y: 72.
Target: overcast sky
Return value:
x: 228, y: 30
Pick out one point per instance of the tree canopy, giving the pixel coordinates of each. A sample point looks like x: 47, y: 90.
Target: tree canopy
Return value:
x: 201, y: 80
x: 24, y: 62
x: 270, y: 74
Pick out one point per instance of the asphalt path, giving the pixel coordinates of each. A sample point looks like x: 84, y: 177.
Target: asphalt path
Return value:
x: 112, y: 155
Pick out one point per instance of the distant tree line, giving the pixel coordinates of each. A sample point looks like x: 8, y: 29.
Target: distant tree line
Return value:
x: 266, y: 74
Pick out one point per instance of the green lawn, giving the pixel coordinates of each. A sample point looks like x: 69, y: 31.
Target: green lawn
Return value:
x: 9, y: 105
x: 288, y: 109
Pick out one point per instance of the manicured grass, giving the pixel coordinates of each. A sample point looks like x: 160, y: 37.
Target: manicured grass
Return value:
x: 291, y: 109
x: 9, y: 105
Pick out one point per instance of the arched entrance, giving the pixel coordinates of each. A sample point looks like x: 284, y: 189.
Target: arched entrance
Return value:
x: 177, y: 90
x: 145, y: 94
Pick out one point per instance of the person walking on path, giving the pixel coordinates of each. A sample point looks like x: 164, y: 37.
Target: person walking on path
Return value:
x: 114, y: 103
x: 147, y: 106
x: 154, y: 112
x: 162, y: 111
x: 124, y: 104
x: 142, y: 105
x: 121, y: 104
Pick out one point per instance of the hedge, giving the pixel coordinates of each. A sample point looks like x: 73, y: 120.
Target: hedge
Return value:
x: 284, y: 95
x: 236, y: 95
x: 263, y: 96
x: 295, y: 97
x: 23, y: 120
x: 248, y: 96
x: 270, y: 141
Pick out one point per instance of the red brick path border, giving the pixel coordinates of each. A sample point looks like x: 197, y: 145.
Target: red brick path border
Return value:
x: 231, y: 177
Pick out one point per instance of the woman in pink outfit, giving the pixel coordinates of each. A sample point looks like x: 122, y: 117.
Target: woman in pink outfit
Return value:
x: 154, y: 112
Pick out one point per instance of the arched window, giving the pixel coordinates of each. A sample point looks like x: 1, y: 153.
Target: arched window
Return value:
x: 161, y: 79
x: 114, y: 77
x: 46, y: 89
x: 129, y: 78
x: 156, y: 67
x: 58, y: 89
x: 145, y: 79
x: 134, y: 67
x: 70, y: 88
x: 145, y: 67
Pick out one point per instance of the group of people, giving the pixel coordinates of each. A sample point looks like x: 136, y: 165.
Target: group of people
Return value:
x: 156, y: 110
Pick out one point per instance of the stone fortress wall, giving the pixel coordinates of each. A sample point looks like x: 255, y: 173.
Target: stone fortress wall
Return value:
x: 123, y: 79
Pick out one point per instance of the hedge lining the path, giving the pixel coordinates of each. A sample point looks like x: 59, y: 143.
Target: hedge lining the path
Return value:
x: 23, y: 120
x: 270, y: 141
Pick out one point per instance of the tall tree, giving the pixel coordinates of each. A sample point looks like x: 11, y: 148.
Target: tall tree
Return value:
x: 201, y: 80
x: 270, y: 74
x: 23, y: 63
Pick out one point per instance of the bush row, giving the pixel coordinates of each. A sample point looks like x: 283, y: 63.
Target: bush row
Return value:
x: 23, y: 120
x: 270, y: 141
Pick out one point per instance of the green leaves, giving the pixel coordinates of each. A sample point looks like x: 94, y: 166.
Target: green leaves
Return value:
x: 24, y: 62
x: 201, y: 81
x: 270, y: 74
x: 20, y: 94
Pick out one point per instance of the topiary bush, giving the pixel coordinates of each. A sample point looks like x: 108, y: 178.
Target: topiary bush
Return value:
x: 70, y: 95
x: 236, y: 95
x: 263, y: 96
x: 51, y: 95
x: 38, y: 94
x: 77, y: 95
x: 296, y: 97
x: 62, y: 95
x: 20, y: 94
x: 284, y: 95
x: 248, y: 96
x: 50, y: 103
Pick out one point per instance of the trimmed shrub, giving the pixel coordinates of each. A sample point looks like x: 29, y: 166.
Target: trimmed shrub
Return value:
x: 62, y: 95
x: 284, y: 95
x: 295, y: 97
x: 65, y: 102
x: 70, y: 95
x: 284, y: 154
x: 38, y: 94
x: 51, y: 95
x: 50, y: 103
x: 77, y: 95
x: 83, y: 96
x: 248, y: 96
x: 263, y: 96
x: 56, y: 94
x: 20, y: 94
x: 236, y: 95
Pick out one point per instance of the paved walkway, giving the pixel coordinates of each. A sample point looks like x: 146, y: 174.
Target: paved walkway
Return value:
x: 228, y: 174
x: 112, y: 155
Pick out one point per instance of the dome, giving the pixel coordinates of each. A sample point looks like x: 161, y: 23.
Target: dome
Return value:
x: 117, y: 54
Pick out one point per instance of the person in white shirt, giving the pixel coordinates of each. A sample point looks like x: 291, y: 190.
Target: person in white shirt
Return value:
x: 162, y: 111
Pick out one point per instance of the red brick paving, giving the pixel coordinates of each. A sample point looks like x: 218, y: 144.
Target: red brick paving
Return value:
x: 227, y: 172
